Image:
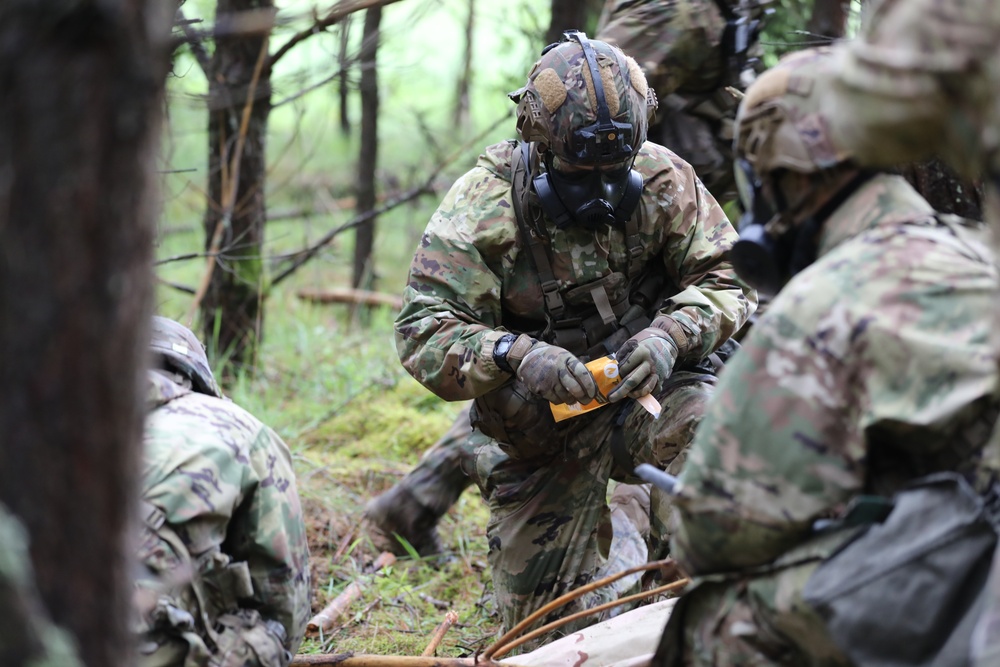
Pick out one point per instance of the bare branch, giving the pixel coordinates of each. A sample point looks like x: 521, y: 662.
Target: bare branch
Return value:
x: 426, y: 187
x: 336, y: 14
x: 194, y: 40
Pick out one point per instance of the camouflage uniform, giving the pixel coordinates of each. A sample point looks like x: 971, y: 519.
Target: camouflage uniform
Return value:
x: 471, y: 281
x: 223, y: 545
x: 27, y: 635
x: 872, y: 367
x: 922, y: 80
x: 679, y: 45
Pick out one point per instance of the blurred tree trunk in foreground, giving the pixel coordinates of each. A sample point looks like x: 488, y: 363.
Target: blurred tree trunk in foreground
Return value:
x: 945, y: 190
x: 239, y: 101
x: 80, y: 93
x: 364, y: 238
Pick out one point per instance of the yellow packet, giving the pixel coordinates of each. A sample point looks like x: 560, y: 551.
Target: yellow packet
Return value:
x: 605, y: 372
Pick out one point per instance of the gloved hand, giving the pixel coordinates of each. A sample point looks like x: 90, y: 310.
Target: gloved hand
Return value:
x: 556, y: 375
x: 644, y: 361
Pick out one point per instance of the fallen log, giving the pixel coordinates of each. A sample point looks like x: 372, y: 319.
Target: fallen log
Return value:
x: 351, y: 296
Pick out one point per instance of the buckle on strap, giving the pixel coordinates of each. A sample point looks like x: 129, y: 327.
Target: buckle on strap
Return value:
x: 553, y: 300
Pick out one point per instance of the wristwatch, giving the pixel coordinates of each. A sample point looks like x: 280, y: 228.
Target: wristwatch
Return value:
x: 500, y: 351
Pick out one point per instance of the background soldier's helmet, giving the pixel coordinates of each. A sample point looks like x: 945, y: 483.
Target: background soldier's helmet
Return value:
x: 559, y: 108
x: 782, y: 124
x: 177, y: 349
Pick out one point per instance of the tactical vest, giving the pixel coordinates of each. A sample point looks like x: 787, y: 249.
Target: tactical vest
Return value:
x: 591, y: 321
x: 595, y: 319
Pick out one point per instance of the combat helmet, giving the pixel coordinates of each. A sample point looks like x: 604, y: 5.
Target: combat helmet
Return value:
x: 586, y: 107
x: 782, y: 127
x: 177, y: 349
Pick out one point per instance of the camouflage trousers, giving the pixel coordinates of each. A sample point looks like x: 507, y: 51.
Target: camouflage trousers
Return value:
x: 441, y: 475
x: 551, y: 528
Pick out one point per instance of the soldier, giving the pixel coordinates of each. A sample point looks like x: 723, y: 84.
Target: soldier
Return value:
x: 839, y: 389
x: 923, y: 80
x: 692, y: 52
x: 581, y: 241
x: 695, y: 54
x: 223, y: 548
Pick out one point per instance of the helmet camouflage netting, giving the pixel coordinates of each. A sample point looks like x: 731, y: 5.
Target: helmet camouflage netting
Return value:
x: 559, y: 97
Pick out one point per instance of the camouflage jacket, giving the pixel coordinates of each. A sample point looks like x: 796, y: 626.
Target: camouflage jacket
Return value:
x: 871, y: 367
x: 677, y: 44
x: 225, y: 485
x: 469, y: 281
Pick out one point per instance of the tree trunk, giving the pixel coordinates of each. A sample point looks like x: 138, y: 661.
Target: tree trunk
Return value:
x: 572, y: 15
x: 364, y: 238
x: 343, y: 80
x: 231, y: 310
x: 460, y: 118
x: 829, y: 18
x: 80, y: 95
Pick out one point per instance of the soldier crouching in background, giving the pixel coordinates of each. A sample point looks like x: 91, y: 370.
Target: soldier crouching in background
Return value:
x: 224, y: 556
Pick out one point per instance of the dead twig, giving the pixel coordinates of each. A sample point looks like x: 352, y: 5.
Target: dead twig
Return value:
x: 337, y: 13
x: 449, y: 620
x: 324, y: 620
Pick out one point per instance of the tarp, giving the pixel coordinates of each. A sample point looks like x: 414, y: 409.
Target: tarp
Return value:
x: 627, y: 640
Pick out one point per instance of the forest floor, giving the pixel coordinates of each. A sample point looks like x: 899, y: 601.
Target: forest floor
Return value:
x: 356, y: 423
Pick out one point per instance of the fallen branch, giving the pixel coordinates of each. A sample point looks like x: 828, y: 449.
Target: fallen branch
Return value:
x: 324, y: 620
x: 449, y: 620
x: 352, y: 296
x: 524, y: 639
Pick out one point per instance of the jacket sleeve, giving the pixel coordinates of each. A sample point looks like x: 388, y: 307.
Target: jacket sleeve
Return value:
x: 761, y: 469
x: 448, y: 326
x: 268, y: 532
x: 712, y: 303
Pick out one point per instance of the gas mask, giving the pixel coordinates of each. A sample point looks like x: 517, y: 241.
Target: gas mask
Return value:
x: 589, y: 198
x: 766, y: 261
